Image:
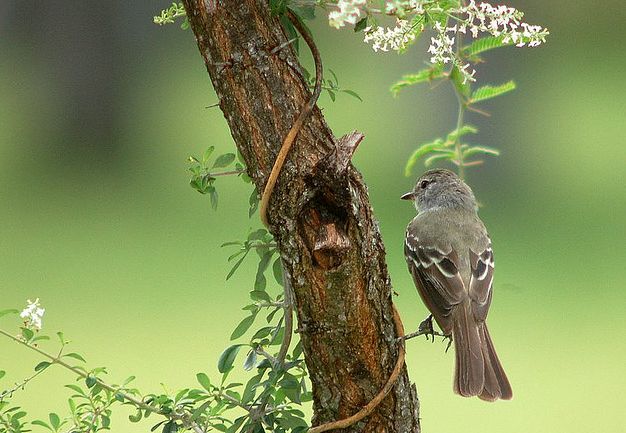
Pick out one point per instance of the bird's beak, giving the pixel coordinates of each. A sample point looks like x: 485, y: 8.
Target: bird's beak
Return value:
x: 408, y: 196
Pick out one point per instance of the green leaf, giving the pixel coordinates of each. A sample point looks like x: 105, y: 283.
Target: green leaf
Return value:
x: 41, y: 424
x: 263, y: 332
x: 207, y: 155
x: 277, y: 270
x: 250, y: 361
x: 136, y: 417
x: 488, y: 92
x: 278, y: 7
x: 2, y: 373
x: 352, y: 93
x: 254, y: 203
x: 448, y: 155
x: 260, y: 281
x: 55, y: 421
x: 224, y: 160
x: 421, y: 151
x: 213, y: 197
x: 90, y: 381
x: 463, y: 130
x: 462, y: 87
x: 360, y: 25
x: 5, y: 312
x: 480, y: 149
x: 204, y: 380
x: 304, y: 11
x: 260, y: 295
x: 257, y: 235
x: 243, y: 326
x: 227, y: 358
x: 42, y: 365
x: 75, y: 356
x: 483, y: 44
x: 236, y: 266
x: 28, y: 334
x: 76, y: 389
x: 433, y: 73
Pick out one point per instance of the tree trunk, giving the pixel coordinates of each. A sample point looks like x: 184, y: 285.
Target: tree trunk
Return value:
x: 319, y: 214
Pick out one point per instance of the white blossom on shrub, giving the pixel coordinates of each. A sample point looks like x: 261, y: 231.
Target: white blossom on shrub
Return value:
x: 33, y: 315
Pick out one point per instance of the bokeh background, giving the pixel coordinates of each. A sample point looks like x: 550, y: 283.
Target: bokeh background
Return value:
x: 99, y: 110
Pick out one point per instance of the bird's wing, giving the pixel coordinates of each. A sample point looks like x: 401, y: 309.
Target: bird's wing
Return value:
x: 482, y: 265
x: 436, y: 275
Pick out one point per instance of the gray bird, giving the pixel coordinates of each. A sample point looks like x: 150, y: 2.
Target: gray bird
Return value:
x: 449, y: 254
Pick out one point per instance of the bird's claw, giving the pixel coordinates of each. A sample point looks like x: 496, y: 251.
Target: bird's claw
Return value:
x: 426, y: 328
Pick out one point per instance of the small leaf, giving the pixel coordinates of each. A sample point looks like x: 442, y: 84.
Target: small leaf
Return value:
x: 463, y: 87
x: 75, y: 356
x: 41, y: 424
x: 76, y: 389
x: 483, y: 44
x: 463, y: 130
x: 203, y: 380
x: 28, y: 334
x: 207, y: 155
x: 352, y: 93
x: 227, y: 358
x: 214, y: 198
x: 236, y: 266
x: 6, y: 312
x: 422, y: 150
x: 480, y: 149
x: 277, y: 270
x: 42, y: 365
x: 360, y: 25
x: 136, y: 417
x: 425, y: 75
x: 250, y: 361
x: 55, y: 421
x: 260, y: 295
x: 224, y: 160
x: 90, y: 381
x: 243, y: 326
x: 449, y: 155
x: 488, y: 92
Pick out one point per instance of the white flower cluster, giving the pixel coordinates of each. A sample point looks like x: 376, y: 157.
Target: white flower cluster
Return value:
x: 384, y: 39
x: 348, y: 13
x: 442, y: 46
x: 501, y: 21
x: 32, y: 314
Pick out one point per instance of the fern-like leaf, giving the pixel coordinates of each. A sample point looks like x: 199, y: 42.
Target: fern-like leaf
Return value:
x: 422, y: 76
x: 488, y: 92
x: 484, y: 44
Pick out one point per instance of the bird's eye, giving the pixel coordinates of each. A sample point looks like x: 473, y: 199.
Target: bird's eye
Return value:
x: 424, y: 184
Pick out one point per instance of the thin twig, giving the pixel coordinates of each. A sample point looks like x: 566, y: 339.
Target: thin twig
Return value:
x: 135, y: 402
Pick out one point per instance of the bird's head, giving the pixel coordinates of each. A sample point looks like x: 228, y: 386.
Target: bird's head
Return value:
x: 441, y: 189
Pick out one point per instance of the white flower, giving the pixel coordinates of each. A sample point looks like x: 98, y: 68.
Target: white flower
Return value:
x: 32, y: 314
x: 396, y: 38
x: 348, y: 13
x: 502, y: 21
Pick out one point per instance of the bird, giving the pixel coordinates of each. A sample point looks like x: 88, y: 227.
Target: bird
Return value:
x: 450, y: 256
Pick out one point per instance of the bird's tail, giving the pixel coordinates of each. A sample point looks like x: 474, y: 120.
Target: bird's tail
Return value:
x: 478, y: 371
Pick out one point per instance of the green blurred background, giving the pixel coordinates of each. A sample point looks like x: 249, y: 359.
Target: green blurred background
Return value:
x: 99, y: 110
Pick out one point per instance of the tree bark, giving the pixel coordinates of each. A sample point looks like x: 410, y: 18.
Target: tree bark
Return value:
x: 319, y: 214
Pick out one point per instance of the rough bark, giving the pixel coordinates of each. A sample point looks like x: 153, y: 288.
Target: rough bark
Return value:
x: 320, y: 215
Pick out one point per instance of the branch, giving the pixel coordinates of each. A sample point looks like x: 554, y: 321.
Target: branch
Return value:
x: 135, y: 402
